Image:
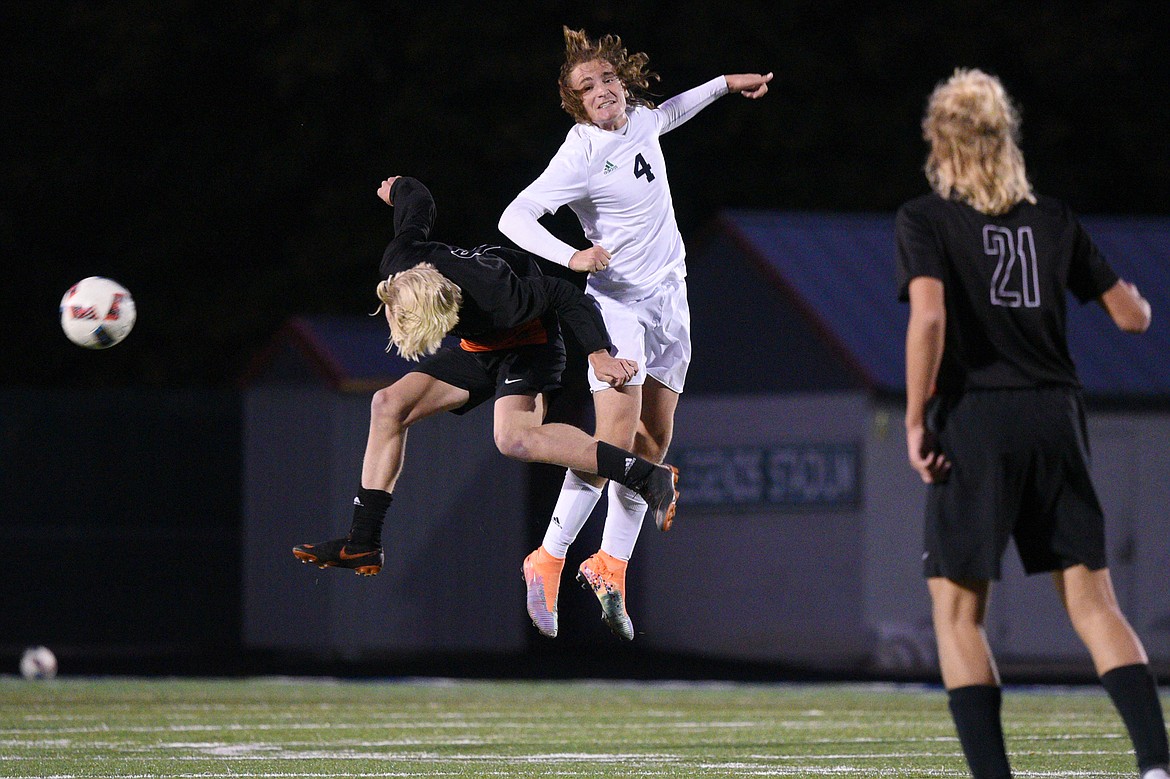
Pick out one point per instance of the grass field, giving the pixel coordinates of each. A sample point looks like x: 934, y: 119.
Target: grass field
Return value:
x: 281, y: 727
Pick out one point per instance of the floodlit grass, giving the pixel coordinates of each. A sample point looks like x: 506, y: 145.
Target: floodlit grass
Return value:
x: 321, y: 728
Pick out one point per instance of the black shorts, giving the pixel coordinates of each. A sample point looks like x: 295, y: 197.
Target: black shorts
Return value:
x: 1019, y: 468
x: 523, y: 370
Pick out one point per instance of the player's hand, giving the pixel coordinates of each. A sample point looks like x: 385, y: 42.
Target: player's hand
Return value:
x: 751, y: 85
x: 925, y: 457
x: 589, y: 260
x: 614, y: 371
x: 384, y: 190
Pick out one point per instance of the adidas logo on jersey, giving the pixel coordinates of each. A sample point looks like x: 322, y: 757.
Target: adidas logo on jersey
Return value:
x: 629, y: 464
x: 609, y: 168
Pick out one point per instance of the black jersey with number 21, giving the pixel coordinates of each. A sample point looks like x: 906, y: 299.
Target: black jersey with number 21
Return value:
x: 1005, y: 279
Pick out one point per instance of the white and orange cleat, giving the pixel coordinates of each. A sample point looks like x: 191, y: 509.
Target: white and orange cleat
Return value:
x: 606, y: 576
x: 542, y: 576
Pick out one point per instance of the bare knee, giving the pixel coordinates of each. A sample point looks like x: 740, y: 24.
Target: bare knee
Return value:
x: 957, y: 606
x: 514, y: 443
x: 390, y: 409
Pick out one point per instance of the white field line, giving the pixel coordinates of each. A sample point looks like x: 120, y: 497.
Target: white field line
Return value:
x: 263, y: 752
x: 741, y: 769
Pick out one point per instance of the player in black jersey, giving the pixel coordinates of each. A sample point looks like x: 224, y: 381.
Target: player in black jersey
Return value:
x: 994, y: 418
x: 506, y: 313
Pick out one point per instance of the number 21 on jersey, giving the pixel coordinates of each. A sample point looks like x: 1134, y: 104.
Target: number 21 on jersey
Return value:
x: 1016, y: 281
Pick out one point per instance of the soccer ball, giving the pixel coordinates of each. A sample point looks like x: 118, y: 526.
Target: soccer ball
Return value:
x: 38, y: 662
x: 97, y: 313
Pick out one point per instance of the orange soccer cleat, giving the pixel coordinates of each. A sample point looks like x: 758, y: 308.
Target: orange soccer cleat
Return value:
x: 542, y: 576
x: 606, y: 576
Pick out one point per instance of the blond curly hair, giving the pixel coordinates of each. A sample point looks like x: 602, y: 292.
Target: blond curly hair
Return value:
x: 422, y: 306
x: 630, y: 69
x: 974, y: 130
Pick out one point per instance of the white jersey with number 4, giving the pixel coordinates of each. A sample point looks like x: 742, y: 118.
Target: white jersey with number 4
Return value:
x: 615, y: 182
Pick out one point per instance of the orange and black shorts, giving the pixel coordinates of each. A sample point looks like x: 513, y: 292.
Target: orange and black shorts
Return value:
x: 522, y: 370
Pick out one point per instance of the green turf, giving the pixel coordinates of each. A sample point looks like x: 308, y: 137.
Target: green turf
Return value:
x: 317, y: 728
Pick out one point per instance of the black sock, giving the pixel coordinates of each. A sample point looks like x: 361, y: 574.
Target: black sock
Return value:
x: 1134, y: 692
x: 975, y: 710
x: 621, y: 466
x: 369, y: 511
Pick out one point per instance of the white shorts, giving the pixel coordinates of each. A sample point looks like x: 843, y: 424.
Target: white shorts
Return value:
x: 655, y: 332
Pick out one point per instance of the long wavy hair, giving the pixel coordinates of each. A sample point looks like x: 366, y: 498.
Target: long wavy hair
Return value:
x: 631, y: 70
x: 422, y: 306
x: 973, y: 129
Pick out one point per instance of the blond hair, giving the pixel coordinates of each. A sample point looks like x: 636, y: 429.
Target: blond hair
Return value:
x: 630, y: 69
x: 974, y: 130
x: 422, y: 306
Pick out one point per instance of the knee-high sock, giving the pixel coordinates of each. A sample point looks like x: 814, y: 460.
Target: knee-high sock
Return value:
x: 1134, y: 692
x: 369, y: 512
x: 574, y: 505
x: 975, y: 710
x: 623, y: 521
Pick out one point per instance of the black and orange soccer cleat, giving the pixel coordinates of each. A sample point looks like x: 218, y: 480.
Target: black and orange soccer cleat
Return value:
x: 363, y: 560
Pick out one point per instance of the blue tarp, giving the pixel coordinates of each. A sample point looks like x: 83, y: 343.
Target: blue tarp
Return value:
x: 839, y: 268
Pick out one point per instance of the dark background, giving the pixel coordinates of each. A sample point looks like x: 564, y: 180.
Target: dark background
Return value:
x: 221, y: 159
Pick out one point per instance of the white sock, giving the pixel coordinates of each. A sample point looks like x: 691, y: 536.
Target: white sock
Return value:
x: 1155, y: 773
x: 623, y: 522
x: 574, y: 505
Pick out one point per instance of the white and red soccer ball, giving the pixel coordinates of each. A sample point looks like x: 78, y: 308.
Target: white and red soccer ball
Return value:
x: 97, y: 313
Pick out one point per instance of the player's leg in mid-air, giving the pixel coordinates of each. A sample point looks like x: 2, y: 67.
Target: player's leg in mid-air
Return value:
x: 522, y: 435
x: 604, y: 572
x: 657, y: 328
x: 414, y: 397
x: 616, y: 412
x: 638, y: 416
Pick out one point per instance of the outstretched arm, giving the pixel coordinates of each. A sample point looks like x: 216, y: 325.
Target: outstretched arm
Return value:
x: 414, y: 214
x: 684, y: 105
x: 752, y: 85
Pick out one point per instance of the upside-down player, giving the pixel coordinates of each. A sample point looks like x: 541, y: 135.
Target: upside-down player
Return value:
x: 506, y: 311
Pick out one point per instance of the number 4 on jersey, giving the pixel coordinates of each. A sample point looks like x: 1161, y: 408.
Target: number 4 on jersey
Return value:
x: 642, y: 168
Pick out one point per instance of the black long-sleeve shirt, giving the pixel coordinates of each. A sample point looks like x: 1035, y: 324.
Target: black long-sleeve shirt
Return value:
x: 502, y: 288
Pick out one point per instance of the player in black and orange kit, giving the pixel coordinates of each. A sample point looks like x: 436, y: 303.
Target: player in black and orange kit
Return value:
x: 995, y: 423
x: 506, y: 312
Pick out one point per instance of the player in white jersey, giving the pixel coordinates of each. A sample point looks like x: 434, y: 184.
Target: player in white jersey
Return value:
x: 610, y: 171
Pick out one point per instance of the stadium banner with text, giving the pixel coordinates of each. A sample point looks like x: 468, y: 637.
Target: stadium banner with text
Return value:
x: 797, y: 476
